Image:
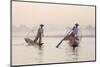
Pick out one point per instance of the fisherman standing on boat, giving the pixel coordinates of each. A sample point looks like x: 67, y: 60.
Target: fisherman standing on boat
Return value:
x: 72, y: 36
x: 39, y: 34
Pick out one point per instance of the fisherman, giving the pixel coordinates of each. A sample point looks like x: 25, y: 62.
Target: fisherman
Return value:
x: 39, y: 34
x: 72, y: 36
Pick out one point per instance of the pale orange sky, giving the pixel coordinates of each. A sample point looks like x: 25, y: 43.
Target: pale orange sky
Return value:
x: 31, y: 14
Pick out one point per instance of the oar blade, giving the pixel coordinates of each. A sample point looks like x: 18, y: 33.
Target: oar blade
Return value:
x: 59, y: 43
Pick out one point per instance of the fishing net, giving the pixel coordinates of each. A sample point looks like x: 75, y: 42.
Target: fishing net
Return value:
x: 30, y: 36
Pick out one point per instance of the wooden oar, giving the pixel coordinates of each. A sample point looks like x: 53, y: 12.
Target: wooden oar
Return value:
x: 62, y: 40
x: 59, y: 43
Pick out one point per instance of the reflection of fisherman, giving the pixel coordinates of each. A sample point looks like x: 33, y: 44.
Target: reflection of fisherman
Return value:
x: 75, y: 31
x: 39, y: 34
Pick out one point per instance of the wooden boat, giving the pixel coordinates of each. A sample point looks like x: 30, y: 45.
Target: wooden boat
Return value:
x: 31, y: 42
x: 73, y: 41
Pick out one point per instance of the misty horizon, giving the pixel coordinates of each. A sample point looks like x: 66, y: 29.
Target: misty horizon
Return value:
x: 26, y: 28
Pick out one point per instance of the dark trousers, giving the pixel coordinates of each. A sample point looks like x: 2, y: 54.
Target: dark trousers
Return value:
x: 38, y: 37
x: 73, y: 35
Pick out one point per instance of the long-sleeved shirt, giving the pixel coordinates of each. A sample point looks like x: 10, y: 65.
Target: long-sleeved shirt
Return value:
x: 40, y: 30
x: 75, y: 30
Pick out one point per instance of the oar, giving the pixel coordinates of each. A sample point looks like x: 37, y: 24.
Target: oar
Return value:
x: 62, y: 40
x: 59, y: 43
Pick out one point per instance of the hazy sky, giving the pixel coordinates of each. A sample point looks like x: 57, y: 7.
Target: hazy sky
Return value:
x: 33, y: 14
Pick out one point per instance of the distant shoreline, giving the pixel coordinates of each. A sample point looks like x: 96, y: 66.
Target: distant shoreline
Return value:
x: 53, y: 36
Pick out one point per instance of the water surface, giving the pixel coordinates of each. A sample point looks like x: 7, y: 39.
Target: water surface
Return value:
x: 48, y: 53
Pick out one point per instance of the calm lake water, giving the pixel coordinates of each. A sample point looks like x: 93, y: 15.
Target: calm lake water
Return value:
x: 48, y: 53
